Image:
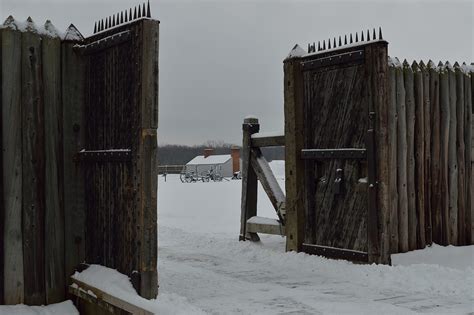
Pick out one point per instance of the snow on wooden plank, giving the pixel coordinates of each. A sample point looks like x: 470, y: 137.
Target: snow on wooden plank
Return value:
x: 265, y: 225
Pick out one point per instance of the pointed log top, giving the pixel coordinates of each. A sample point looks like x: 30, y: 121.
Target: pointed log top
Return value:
x: 422, y: 64
x: 406, y: 64
x: 449, y: 66
x: 456, y: 65
x: 297, y: 51
x: 415, y: 66
x: 10, y: 23
x: 50, y: 29
x: 431, y: 64
x: 73, y: 34
x: 30, y: 25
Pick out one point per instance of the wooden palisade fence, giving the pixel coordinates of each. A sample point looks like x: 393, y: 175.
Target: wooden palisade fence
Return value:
x: 78, y: 161
x: 379, y: 155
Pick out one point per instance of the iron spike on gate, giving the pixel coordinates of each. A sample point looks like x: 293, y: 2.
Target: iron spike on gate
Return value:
x: 329, y: 43
x: 362, y: 36
x: 380, y: 33
x: 374, y: 35
x: 340, y: 41
x: 125, y: 16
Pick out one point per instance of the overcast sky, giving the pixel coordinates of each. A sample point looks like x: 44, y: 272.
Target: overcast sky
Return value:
x: 222, y: 60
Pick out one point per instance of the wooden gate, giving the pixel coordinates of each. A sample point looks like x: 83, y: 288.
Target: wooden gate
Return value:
x: 341, y: 98
x: 119, y: 158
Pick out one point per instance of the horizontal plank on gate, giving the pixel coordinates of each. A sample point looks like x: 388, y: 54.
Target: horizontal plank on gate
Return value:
x: 104, y: 43
x: 260, y: 140
x: 118, y: 155
x: 330, y: 154
x: 265, y: 225
x: 335, y: 253
x: 105, y: 300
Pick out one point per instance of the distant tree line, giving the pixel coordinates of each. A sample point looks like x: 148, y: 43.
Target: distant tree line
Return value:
x: 174, y: 154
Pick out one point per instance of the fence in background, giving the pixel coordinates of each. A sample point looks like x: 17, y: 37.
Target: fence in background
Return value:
x: 171, y: 169
x: 430, y: 121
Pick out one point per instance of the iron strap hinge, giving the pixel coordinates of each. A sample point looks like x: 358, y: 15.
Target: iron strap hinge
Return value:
x: 113, y: 155
x: 333, y: 154
x: 357, y: 56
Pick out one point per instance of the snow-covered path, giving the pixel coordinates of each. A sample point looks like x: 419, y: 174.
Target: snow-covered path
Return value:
x: 201, y: 259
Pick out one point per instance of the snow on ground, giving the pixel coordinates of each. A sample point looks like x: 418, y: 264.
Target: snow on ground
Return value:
x: 200, y: 258
x: 64, y: 308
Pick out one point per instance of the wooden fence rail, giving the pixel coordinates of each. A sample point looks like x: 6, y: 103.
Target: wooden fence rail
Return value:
x: 431, y: 154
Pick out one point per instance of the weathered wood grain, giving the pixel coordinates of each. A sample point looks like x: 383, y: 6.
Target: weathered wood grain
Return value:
x: 392, y: 127
x: 452, y: 224
x: 54, y: 212
x: 73, y: 127
x: 294, y: 167
x: 419, y: 132
x: 461, y: 157
x: 249, y: 180
x: 427, y: 152
x: 469, y: 136
x: 402, y: 148
x: 33, y: 163
x: 444, y: 152
x: 273, y: 141
x: 12, y: 239
x: 410, y: 134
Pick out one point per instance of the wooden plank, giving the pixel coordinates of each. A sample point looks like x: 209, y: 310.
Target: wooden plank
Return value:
x: 79, y: 288
x: 444, y: 152
x: 72, y: 67
x: 392, y: 127
x: 148, y: 153
x: 12, y: 239
x: 435, y: 153
x: 2, y: 202
x: 427, y: 152
x: 249, y: 180
x: 54, y: 212
x: 294, y: 166
x: 273, y: 141
x: 336, y: 253
x: 33, y: 163
x: 402, y: 164
x: 269, y: 182
x: 419, y: 152
x: 333, y: 154
x: 265, y: 226
x: 461, y: 157
x: 410, y: 134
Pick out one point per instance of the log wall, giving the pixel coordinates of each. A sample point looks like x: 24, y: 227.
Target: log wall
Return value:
x: 431, y: 154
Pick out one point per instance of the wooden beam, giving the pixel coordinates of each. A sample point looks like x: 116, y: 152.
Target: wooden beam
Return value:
x: 461, y: 157
x: 265, y: 226
x: 445, y: 112
x: 453, y: 167
x: 249, y: 181
x: 273, y: 141
x: 336, y: 253
x: 269, y: 182
x: 104, y: 299
x: 294, y: 165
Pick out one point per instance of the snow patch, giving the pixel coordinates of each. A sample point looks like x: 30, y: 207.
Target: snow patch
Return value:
x: 63, y: 308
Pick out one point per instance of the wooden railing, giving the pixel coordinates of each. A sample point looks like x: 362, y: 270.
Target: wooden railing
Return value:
x: 256, y: 168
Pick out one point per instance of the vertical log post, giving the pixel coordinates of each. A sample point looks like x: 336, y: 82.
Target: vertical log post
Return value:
x: 419, y: 156
x: 392, y: 127
x: 72, y: 67
x: 54, y: 215
x: 249, y: 180
x: 33, y: 166
x: 402, y: 162
x: 410, y: 134
x: 427, y: 151
x: 444, y: 152
x: 452, y: 224
x: 461, y: 156
x: 435, y: 153
x: 469, y: 140
x: 294, y: 165
x: 11, y: 108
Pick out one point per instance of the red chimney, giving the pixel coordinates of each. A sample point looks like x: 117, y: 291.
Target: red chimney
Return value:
x: 208, y: 152
x: 235, y: 154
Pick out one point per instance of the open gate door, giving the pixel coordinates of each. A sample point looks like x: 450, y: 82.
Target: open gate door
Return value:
x: 342, y: 146
x: 119, y: 158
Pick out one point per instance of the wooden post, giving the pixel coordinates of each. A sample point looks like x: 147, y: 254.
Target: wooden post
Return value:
x: 12, y: 239
x: 427, y: 151
x: 294, y: 165
x: 452, y: 224
x: 444, y: 151
x: 402, y: 163
x: 435, y: 153
x: 33, y: 166
x: 469, y: 140
x: 148, y: 152
x: 461, y: 157
x: 410, y: 133
x: 249, y: 180
x: 72, y: 67
x: 419, y: 156
x: 54, y: 211
x: 392, y: 127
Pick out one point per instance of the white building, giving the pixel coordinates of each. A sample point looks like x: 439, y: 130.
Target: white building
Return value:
x: 225, y: 164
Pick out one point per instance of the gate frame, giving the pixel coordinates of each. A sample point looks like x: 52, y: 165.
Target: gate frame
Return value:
x: 377, y: 225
